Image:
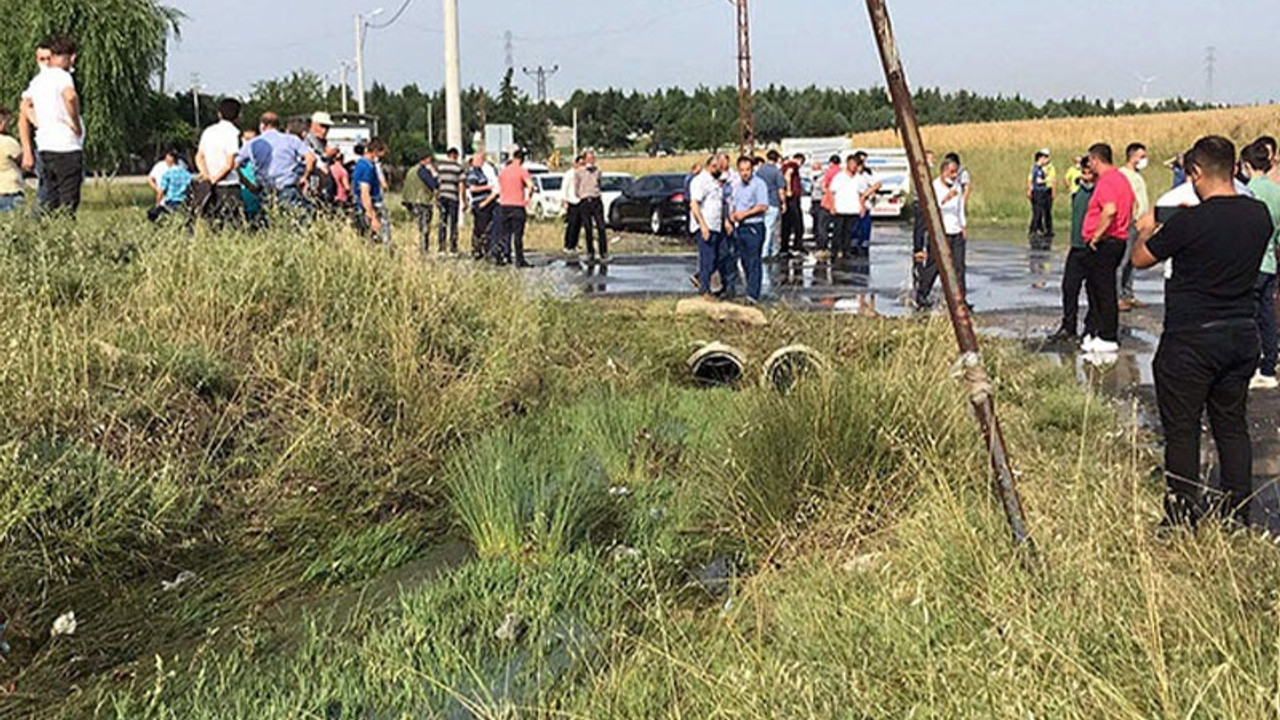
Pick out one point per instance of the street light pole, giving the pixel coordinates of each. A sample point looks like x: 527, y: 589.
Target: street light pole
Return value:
x: 360, y: 63
x: 346, y: 67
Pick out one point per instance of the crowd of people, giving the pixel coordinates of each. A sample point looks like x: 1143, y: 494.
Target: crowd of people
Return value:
x: 743, y: 216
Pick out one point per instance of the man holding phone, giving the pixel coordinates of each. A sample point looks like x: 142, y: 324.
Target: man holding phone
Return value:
x: 1209, y: 347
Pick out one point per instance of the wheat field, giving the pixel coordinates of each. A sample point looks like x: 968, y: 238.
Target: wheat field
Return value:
x: 999, y: 154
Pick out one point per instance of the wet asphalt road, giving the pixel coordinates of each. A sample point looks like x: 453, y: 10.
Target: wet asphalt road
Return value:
x: 1016, y: 294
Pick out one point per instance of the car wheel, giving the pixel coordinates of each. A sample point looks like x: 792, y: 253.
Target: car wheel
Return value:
x: 615, y: 218
x: 655, y: 221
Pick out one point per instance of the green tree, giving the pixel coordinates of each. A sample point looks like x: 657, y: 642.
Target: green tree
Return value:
x: 301, y: 92
x: 122, y: 48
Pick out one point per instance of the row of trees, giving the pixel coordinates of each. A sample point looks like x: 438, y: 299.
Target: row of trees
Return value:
x: 123, y: 45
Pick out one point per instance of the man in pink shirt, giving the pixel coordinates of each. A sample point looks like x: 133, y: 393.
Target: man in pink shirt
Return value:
x: 1106, y: 231
x: 515, y: 187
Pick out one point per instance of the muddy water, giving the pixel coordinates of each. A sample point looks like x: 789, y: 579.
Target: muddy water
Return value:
x: 1016, y: 294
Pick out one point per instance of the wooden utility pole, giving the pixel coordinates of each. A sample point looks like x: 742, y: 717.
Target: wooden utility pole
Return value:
x: 971, y: 365
x: 746, y: 104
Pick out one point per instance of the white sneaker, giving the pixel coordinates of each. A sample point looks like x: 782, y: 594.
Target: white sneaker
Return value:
x: 1104, y: 347
x: 1086, y: 343
x: 1264, y: 382
x: 1100, y: 359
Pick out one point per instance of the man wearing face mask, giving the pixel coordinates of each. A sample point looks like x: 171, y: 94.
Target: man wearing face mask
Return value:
x: 1209, y: 347
x: 1076, y: 267
x: 706, y: 223
x: 1135, y: 162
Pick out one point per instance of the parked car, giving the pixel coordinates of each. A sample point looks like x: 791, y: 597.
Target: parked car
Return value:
x: 611, y: 186
x: 655, y: 203
x: 548, y: 196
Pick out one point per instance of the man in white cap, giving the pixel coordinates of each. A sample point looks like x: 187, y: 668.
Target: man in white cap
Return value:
x: 317, y: 140
x: 1041, y: 187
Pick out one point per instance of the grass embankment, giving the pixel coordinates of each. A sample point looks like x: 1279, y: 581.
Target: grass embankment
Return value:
x: 298, y: 420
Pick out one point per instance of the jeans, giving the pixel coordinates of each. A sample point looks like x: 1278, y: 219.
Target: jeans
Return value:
x: 573, y: 226
x: 1265, y: 295
x: 61, y: 181
x: 750, y: 241
x: 727, y: 265
x: 772, y: 231
x: 1041, y: 213
x: 1125, y: 290
x: 1073, y: 277
x: 793, y: 227
x: 422, y: 214
x: 12, y: 203
x: 1199, y: 370
x: 709, y: 252
x: 862, y: 231
x: 929, y: 273
x: 163, y: 210
x: 1103, y: 319
x: 483, y: 229
x: 592, y: 214
x: 513, y: 220
x: 821, y: 227
x: 448, y: 223
x: 383, y: 236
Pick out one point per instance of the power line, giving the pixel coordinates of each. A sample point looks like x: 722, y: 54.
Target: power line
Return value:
x: 394, y: 18
x: 541, y: 74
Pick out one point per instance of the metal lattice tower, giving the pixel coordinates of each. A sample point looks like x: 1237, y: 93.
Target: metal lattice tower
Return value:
x: 746, y: 104
x: 540, y: 74
x: 509, y: 49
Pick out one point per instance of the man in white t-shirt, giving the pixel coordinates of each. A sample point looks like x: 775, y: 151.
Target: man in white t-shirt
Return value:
x: 26, y: 124
x: 216, y: 161
x: 850, y: 191
x: 572, y: 207
x: 955, y: 224
x: 707, y: 224
x: 59, y: 130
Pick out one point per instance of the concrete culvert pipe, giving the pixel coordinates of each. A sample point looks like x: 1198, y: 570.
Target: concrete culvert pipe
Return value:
x: 790, y: 365
x: 717, y: 364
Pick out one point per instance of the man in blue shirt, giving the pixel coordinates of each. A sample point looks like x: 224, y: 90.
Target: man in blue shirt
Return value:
x: 283, y: 163
x: 771, y: 175
x: 174, y: 186
x: 372, y: 217
x: 749, y: 202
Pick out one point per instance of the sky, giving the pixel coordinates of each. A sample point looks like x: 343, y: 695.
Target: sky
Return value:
x: 1038, y: 48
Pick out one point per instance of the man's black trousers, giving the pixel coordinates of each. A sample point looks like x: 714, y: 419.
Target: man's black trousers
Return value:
x: 1206, y: 369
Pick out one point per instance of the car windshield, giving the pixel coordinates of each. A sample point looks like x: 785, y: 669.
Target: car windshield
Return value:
x: 672, y: 182
x: 614, y: 183
x: 551, y: 182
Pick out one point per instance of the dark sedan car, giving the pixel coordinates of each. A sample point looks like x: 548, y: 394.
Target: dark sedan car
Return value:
x: 655, y: 203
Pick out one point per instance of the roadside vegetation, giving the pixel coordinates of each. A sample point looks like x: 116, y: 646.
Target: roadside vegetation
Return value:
x: 286, y: 476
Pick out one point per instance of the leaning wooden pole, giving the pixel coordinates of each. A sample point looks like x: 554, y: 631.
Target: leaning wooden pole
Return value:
x: 971, y: 364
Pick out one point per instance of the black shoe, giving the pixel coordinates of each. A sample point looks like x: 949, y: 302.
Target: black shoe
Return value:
x: 523, y: 264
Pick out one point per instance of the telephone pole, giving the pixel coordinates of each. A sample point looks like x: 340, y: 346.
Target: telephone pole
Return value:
x: 746, y: 105
x: 540, y: 74
x: 452, y: 77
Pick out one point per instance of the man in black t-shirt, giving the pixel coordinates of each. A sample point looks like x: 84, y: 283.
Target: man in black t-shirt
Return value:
x: 1209, y: 347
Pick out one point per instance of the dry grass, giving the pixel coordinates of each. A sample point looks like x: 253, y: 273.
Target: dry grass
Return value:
x: 999, y: 154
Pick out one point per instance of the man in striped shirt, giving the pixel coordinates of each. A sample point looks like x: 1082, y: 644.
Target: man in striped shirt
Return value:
x: 450, y: 174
